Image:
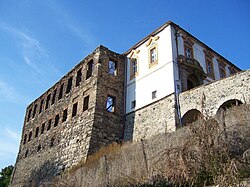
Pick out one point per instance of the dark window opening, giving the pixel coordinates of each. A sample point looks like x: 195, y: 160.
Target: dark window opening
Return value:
x: 133, y: 104
x: 29, y: 114
x: 154, y: 94
x: 69, y: 86
x: 90, y: 68
x: 56, y: 120
x: 42, y: 129
x: 30, y: 136
x: 37, y: 131
x: 110, y: 104
x: 74, y: 111
x: 26, y: 153
x: 34, y: 111
x: 24, y: 139
x: 112, y: 68
x: 53, y: 97
x: 49, y: 125
x: 41, y: 106
x: 52, y: 142
x: 39, y: 147
x: 61, y: 92
x: 47, y: 102
x: 78, y: 77
x: 86, y: 103
x: 65, y: 114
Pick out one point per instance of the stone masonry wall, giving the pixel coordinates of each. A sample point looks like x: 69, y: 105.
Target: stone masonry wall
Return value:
x: 158, y: 117
x: 208, y: 98
x: 108, y: 126
x: 61, y: 139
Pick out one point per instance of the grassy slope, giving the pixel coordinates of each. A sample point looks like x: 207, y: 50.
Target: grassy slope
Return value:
x: 205, y: 152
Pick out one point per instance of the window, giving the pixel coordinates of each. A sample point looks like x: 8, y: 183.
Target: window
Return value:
x: 29, y: 114
x: 154, y: 94
x: 65, y: 114
x: 56, y: 120
x: 41, y: 106
x: 110, y: 104
x: 47, y: 102
x: 222, y: 70
x: 24, y: 139
x: 90, y: 68
x: 34, y: 111
x: 53, y: 97
x: 37, y: 132
x: 42, y: 129
x: 26, y: 153
x: 153, y: 55
x: 210, y: 68
x: 112, y: 68
x: 52, y: 142
x: 133, y: 68
x: 61, y: 92
x: 49, y: 125
x: 78, y: 77
x: 69, y: 86
x: 86, y: 103
x: 188, y: 51
x: 133, y: 104
x: 74, y: 111
x: 39, y: 147
x: 232, y: 70
x: 30, y: 136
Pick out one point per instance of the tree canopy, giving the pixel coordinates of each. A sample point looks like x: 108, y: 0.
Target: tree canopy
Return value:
x: 5, y: 175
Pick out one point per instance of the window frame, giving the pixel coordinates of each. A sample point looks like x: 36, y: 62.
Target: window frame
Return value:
x: 110, y: 108
x: 74, y: 110
x: 154, y: 46
x: 112, y: 71
x: 210, y: 60
x: 133, y: 73
x: 154, y: 94
x: 86, y: 103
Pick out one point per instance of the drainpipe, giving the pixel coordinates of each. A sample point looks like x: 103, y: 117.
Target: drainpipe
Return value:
x: 179, y: 77
x: 125, y: 95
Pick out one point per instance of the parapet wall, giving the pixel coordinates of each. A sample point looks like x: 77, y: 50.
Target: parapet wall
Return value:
x: 208, y: 99
x: 156, y: 118
x: 163, y: 115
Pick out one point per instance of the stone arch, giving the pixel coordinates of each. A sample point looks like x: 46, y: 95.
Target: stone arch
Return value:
x: 227, y: 104
x: 225, y: 101
x: 190, y: 116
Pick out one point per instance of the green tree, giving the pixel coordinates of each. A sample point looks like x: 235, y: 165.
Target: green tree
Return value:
x: 5, y: 175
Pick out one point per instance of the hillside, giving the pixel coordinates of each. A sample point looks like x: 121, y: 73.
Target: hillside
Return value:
x: 207, y: 152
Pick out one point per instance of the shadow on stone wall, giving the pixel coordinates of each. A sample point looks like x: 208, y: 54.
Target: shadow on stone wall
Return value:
x: 44, y: 173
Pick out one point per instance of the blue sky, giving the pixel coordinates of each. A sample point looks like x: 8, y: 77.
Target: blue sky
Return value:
x: 42, y: 40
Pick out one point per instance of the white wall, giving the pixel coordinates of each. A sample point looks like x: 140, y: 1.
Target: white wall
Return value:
x: 200, y: 56
x: 159, y: 77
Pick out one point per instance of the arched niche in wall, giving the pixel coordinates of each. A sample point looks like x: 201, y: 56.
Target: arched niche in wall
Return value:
x: 190, y: 116
x: 227, y: 104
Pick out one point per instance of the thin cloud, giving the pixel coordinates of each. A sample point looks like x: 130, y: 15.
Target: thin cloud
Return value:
x: 13, y: 134
x: 10, y: 93
x: 79, y: 30
x: 84, y: 35
x: 32, y: 65
x: 31, y: 49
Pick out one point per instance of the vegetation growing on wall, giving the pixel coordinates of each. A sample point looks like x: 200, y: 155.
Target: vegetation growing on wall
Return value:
x: 207, y: 152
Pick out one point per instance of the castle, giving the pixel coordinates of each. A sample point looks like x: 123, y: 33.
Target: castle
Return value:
x: 165, y: 81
